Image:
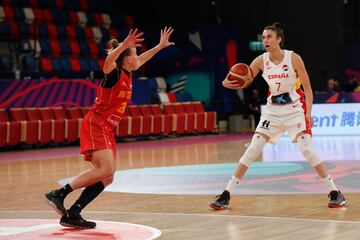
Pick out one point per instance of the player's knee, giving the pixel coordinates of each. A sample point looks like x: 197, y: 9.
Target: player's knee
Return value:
x: 107, y: 181
x: 308, y: 151
x: 107, y: 171
x: 257, y: 144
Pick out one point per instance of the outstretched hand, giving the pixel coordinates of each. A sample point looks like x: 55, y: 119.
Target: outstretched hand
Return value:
x: 133, y: 39
x: 164, y: 37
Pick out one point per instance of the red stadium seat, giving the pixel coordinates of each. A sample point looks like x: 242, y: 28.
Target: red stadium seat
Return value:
x: 84, y: 5
x: 72, y: 126
x: 145, y: 121
x: 9, y: 13
x: 38, y: 14
x: 99, y: 20
x: 45, y: 64
x: 210, y: 117
x: 179, y: 119
x: 123, y: 129
x: 74, y: 113
x: 89, y: 34
x: 134, y: 124
x: 45, y: 126
x: 189, y: 117
x: 199, y: 116
x: 84, y: 110
x: 48, y: 17
x: 53, y: 32
x: 168, y: 124
x: 94, y: 50
x: 75, y: 64
x: 74, y: 18
x: 59, y: 4
x: 11, y: 129
x: 29, y: 129
x: 71, y: 33
x: 55, y: 48
x: 157, y: 121
x: 75, y: 48
x: 58, y: 126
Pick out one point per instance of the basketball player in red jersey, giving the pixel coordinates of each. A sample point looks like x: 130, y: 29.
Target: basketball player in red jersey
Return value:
x: 288, y: 109
x: 97, y: 134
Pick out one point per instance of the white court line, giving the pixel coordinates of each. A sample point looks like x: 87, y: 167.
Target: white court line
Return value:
x: 201, y: 215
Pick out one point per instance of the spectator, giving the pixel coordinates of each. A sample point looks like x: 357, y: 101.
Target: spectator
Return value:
x: 351, y: 84
x: 332, y: 86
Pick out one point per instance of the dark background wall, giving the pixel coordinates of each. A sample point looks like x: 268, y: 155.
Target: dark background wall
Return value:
x: 314, y: 29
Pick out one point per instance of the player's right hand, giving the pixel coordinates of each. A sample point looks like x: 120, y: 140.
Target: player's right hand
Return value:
x: 133, y: 39
x: 231, y: 84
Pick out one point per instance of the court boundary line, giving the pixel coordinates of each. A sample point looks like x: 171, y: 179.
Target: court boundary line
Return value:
x: 199, y: 214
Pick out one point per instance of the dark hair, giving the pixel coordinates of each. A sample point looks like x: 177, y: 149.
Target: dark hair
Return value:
x: 276, y: 27
x: 112, y: 44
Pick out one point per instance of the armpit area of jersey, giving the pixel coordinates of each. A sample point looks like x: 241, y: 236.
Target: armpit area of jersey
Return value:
x: 283, y: 98
x: 111, y: 79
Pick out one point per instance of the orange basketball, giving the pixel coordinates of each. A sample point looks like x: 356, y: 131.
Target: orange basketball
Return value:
x: 242, y: 73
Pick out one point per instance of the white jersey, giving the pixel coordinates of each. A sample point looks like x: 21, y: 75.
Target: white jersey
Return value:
x: 285, y: 109
x: 281, y: 78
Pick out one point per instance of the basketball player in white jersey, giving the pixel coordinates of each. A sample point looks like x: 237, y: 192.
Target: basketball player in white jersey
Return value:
x: 288, y: 109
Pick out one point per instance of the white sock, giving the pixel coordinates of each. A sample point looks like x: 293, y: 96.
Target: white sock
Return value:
x: 233, y: 182
x: 329, y: 182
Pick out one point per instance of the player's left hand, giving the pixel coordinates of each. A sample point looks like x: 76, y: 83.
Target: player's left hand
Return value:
x: 310, y: 120
x: 164, y: 37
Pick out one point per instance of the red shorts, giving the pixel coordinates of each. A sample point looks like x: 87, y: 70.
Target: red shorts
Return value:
x: 95, y: 134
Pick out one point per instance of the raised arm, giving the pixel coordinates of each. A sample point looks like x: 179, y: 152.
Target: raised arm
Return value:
x: 256, y: 66
x: 132, y: 40
x: 299, y: 67
x: 163, y: 43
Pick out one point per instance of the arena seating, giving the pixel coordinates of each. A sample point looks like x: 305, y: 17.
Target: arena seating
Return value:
x: 58, y: 125
x: 72, y: 32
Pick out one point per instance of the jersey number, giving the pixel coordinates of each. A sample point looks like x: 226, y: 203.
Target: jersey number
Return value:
x: 278, y: 86
x: 121, y: 109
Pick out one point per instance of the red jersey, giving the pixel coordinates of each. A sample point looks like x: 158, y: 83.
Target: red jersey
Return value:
x: 110, y: 103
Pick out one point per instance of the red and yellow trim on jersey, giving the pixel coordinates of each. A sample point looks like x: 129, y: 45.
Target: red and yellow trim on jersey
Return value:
x: 303, y: 102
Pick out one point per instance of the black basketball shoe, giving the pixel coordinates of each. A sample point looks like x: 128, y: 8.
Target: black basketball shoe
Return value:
x: 221, y: 201
x: 76, y: 222
x: 337, y: 199
x: 56, y: 201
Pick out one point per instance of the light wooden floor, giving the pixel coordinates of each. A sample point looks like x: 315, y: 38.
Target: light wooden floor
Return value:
x: 302, y: 216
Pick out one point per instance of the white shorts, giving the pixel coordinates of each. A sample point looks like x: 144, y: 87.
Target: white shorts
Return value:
x: 276, y: 119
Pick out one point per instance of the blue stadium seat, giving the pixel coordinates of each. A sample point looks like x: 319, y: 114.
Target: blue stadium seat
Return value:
x: 43, y: 31
x: 45, y: 47
x: 56, y: 64
x: 79, y: 32
x: 65, y: 63
x: 45, y: 4
x: 29, y: 63
x: 19, y: 14
x: 24, y: 30
x: 61, y: 17
x: 61, y: 31
x: 84, y: 49
x: 85, y: 66
x: 4, y: 30
x: 90, y: 19
x: 94, y: 65
x: 5, y: 63
x: 101, y: 47
x: 65, y: 48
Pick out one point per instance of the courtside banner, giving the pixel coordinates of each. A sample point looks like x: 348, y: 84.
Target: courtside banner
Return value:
x: 335, y: 119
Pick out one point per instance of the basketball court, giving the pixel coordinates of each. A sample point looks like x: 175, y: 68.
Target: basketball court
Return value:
x: 162, y: 189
